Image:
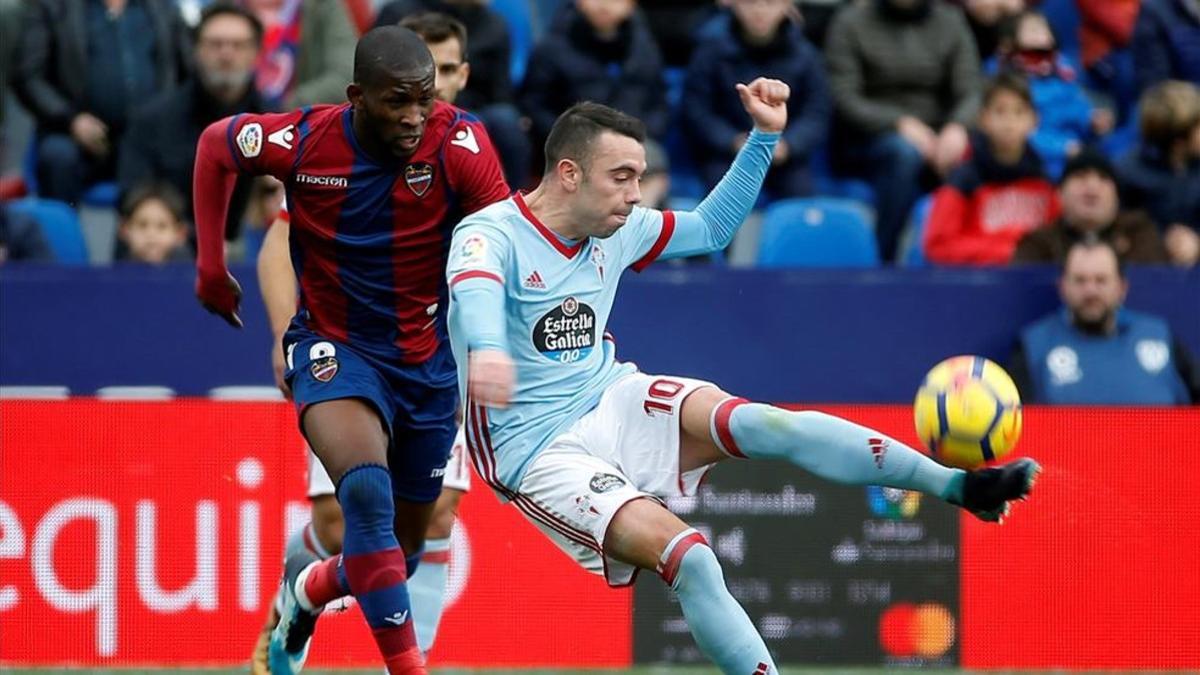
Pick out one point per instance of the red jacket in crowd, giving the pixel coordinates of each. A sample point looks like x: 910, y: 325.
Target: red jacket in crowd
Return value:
x: 985, y: 208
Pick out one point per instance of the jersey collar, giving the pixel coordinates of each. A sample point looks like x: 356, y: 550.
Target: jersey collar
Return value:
x: 547, y: 234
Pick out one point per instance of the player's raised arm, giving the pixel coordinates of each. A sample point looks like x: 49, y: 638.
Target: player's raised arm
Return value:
x: 711, y: 226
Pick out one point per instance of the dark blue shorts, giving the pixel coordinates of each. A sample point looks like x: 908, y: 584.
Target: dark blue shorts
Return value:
x: 416, y: 404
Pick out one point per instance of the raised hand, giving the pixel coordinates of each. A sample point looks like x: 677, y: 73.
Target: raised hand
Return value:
x: 766, y: 102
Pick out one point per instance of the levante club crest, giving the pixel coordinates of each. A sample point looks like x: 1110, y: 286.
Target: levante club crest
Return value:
x: 419, y: 176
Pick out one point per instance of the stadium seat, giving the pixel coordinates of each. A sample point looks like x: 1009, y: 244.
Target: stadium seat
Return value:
x: 912, y: 241
x: 60, y: 225
x: 820, y: 232
x: 519, y: 16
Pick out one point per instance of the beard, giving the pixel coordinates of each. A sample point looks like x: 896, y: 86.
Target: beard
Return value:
x: 1094, y: 325
x: 226, y: 81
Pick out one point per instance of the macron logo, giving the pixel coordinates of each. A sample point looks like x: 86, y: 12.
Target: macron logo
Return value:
x: 879, y: 448
x: 398, y: 618
x: 323, y: 181
x: 535, y: 281
x: 465, y: 138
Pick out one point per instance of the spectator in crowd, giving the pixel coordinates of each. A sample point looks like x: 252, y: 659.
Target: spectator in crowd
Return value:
x: 10, y: 31
x: 1001, y: 192
x: 1066, y: 118
x: 1095, y: 352
x: 985, y: 18
x: 228, y: 38
x: 905, y: 80
x: 815, y: 16
x: 307, y: 51
x: 760, y: 39
x: 21, y: 238
x: 1091, y: 210
x: 81, y: 68
x: 152, y: 229
x: 1106, y: 28
x: 489, y: 92
x: 1162, y: 174
x: 1166, y: 42
x: 604, y: 53
x: 674, y: 24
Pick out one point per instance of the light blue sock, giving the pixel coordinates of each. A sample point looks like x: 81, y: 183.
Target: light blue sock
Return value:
x: 427, y: 588
x: 830, y: 447
x: 719, y: 624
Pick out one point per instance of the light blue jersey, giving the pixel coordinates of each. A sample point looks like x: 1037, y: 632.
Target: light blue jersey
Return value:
x: 516, y: 286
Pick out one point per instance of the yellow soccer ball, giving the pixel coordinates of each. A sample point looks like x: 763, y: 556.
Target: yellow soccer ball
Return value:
x: 968, y: 412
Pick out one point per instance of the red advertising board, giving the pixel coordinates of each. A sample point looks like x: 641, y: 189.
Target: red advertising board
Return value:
x: 151, y: 533
x: 1101, y: 569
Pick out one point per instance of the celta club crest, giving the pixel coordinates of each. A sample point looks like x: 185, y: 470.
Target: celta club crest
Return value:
x: 419, y: 177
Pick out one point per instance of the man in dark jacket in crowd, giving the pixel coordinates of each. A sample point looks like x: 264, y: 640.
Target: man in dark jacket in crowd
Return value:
x: 1091, y: 210
x: 164, y: 147
x: 1166, y: 42
x: 604, y: 53
x: 81, y: 68
x: 759, y: 39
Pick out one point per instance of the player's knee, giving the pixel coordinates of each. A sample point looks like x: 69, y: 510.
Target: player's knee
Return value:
x: 365, y: 495
x: 699, y: 568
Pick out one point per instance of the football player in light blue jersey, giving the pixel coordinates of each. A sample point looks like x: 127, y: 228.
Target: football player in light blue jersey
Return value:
x: 588, y: 447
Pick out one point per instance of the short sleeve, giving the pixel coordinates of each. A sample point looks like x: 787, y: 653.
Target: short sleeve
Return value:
x: 479, y: 250
x: 473, y: 165
x: 266, y: 144
x: 645, y: 236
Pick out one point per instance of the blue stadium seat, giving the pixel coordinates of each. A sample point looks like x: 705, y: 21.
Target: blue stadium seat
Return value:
x: 101, y: 194
x: 519, y: 16
x: 820, y: 232
x: 60, y: 225
x: 912, y: 241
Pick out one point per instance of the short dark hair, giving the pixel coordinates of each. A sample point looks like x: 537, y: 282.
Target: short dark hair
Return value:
x: 144, y: 192
x: 435, y: 28
x: 575, y: 131
x: 1089, y: 241
x: 223, y: 7
x: 1014, y: 83
x: 389, y: 48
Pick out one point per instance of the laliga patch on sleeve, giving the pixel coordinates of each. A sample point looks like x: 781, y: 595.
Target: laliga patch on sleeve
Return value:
x: 473, y: 249
x: 249, y: 140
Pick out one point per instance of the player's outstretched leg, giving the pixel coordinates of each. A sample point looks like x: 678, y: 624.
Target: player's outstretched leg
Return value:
x: 845, y: 452
x: 645, y: 534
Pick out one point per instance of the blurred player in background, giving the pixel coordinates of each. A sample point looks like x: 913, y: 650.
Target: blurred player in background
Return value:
x: 587, y: 447
x: 447, y: 42
x: 372, y: 187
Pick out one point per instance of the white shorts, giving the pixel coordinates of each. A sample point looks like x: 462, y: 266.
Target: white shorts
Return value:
x: 457, y: 477
x: 626, y: 448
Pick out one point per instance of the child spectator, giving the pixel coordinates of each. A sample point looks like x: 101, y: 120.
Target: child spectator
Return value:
x: 1162, y: 174
x: 603, y: 53
x: 1001, y: 193
x: 760, y: 38
x: 1067, y: 118
x: 152, y: 228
